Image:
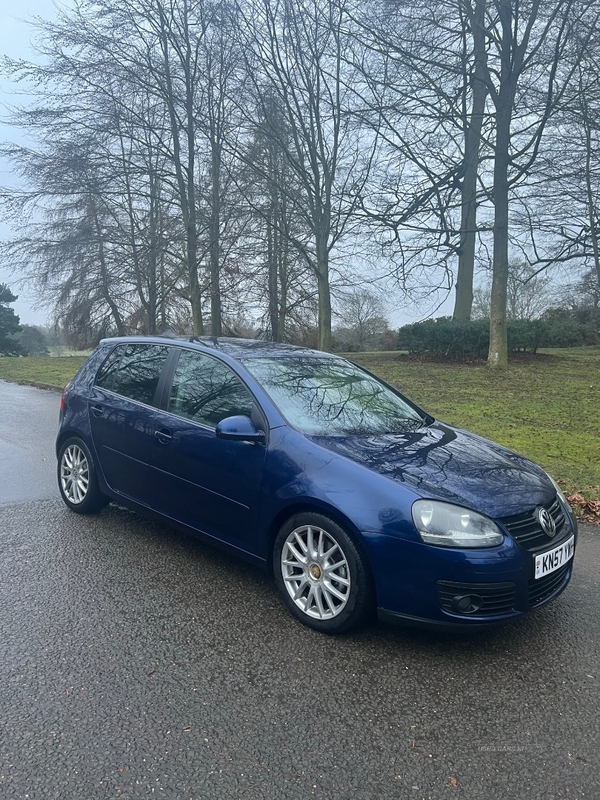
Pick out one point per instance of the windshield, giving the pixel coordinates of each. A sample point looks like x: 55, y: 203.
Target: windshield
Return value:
x: 332, y: 397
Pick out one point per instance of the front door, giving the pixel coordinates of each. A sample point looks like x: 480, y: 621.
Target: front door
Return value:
x: 209, y: 484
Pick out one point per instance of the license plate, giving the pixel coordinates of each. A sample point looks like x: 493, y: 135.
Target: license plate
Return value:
x: 547, y: 562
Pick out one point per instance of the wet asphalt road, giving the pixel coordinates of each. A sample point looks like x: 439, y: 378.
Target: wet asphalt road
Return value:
x: 136, y: 662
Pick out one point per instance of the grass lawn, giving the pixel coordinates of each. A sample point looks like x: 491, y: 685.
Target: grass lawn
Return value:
x: 52, y: 371
x: 546, y: 408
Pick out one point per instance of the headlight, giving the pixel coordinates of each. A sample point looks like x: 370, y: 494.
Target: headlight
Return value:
x: 452, y: 526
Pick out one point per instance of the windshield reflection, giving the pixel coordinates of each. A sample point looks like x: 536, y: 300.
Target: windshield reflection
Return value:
x: 330, y: 396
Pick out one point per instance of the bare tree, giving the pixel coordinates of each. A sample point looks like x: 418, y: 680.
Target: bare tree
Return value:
x: 362, y: 320
x: 295, y: 54
x: 529, y: 294
x: 135, y: 70
x: 423, y: 94
x: 563, y: 204
x: 240, y: 159
x: 473, y: 119
x: 528, y: 41
x: 273, y: 192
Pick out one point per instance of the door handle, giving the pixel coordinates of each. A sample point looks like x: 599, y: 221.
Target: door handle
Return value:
x: 163, y: 436
x: 97, y: 410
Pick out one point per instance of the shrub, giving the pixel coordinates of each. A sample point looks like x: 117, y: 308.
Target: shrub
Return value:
x: 446, y: 337
x: 527, y: 334
x: 572, y: 327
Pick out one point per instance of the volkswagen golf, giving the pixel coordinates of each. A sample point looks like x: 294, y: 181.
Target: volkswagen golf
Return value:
x: 311, y: 467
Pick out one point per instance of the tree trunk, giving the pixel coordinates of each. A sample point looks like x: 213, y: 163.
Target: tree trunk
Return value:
x: 324, y: 291
x: 282, y: 263
x: 192, y: 233
x: 153, y: 259
x: 137, y: 266
x: 324, y: 313
x: 106, y: 288
x: 498, y: 352
x: 463, y: 303
x: 195, y: 293
x: 272, y: 272
x: 590, y: 189
x: 185, y: 183
x: 215, y: 241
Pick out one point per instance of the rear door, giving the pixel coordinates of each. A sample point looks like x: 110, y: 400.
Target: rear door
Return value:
x: 122, y: 409
x: 207, y: 483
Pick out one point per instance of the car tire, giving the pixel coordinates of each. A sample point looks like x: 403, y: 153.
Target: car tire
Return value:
x: 323, y: 577
x: 77, y: 479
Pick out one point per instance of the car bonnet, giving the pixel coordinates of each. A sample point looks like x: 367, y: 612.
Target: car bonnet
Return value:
x: 450, y: 464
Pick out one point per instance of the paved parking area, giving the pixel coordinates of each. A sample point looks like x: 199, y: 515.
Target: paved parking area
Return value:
x: 137, y: 662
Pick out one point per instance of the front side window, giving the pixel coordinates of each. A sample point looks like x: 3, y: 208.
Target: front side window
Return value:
x: 332, y: 397
x: 133, y: 371
x: 206, y: 390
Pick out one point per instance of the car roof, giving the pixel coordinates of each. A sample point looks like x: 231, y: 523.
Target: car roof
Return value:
x: 233, y: 347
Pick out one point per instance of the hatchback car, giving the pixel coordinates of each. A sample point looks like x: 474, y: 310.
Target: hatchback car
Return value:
x: 312, y: 467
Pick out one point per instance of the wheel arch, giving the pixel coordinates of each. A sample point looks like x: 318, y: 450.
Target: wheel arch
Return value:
x: 314, y: 507
x: 68, y: 433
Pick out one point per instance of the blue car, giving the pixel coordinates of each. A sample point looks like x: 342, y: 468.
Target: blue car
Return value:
x: 310, y: 466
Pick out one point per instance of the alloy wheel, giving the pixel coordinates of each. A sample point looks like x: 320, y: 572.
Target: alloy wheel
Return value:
x: 74, y: 474
x: 315, y: 572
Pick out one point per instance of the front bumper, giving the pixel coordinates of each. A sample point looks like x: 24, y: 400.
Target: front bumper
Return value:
x: 415, y: 582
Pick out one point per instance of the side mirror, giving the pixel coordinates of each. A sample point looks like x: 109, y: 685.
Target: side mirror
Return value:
x: 239, y: 429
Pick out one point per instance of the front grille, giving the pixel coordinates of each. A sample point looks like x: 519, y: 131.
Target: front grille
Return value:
x: 496, y: 598
x: 526, y: 530
x: 543, y: 588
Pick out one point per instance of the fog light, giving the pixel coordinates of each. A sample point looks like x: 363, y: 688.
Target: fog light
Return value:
x: 466, y: 603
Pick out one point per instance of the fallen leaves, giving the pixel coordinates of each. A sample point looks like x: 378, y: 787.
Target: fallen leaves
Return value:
x: 585, y: 510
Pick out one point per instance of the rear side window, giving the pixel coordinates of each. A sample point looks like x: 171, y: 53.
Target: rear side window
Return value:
x: 133, y: 371
x: 206, y: 390
x: 109, y: 366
